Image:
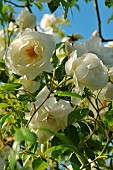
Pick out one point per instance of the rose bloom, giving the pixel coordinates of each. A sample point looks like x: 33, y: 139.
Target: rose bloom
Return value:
x: 29, y: 55
x: 94, y: 45
x: 108, y: 91
x: 52, y: 115
x: 87, y: 70
x: 110, y: 73
x: 26, y: 19
x: 76, y: 100
x: 46, y: 21
x: 12, y: 27
x: 109, y: 44
x: 105, y: 96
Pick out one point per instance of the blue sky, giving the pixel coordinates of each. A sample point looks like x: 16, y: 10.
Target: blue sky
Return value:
x: 84, y: 21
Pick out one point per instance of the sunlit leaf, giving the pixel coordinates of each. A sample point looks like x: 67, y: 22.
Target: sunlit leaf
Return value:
x: 9, y: 87
x: 23, y: 134
x: 69, y: 94
x: 39, y: 5
x: 3, y: 119
x: 109, y: 3
x: 108, y: 117
x: 77, y: 114
x: 39, y: 164
x: 4, y: 105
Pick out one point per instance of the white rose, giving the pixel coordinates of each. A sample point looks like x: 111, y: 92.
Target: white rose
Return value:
x: 94, y: 45
x: 29, y: 85
x: 76, y: 100
x: 87, y: 70
x: 46, y: 21
x: 104, y: 97
x: 109, y: 44
x: 29, y: 55
x: 26, y: 19
x: 110, y: 73
x: 95, y: 33
x: 108, y: 89
x: 52, y: 115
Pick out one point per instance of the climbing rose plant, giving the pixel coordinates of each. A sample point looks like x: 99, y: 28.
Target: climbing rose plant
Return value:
x: 56, y: 90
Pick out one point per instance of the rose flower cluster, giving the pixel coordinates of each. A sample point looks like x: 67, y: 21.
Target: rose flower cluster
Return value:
x: 89, y: 66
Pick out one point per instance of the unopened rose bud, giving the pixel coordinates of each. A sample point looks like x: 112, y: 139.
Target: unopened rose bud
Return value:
x: 95, y: 34
x: 11, y: 26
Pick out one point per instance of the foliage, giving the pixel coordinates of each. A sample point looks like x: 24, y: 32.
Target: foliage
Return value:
x: 52, y: 115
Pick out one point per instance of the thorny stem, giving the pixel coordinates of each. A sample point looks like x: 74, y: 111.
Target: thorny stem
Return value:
x: 99, y: 22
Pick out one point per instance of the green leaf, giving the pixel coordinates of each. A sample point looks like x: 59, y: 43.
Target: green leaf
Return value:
x: 56, y: 153
x: 69, y: 94
x: 60, y: 71
x: 24, y: 97
x: 53, y: 5
x: 13, y: 159
x: 4, y: 78
x: 75, y: 166
x: 3, y: 119
x: 56, y: 141
x: 71, y: 3
x: 89, y: 152
x: 74, y: 160
x: 54, y: 60
x: 59, y: 45
x: 23, y: 134
x: 94, y: 145
x: 9, y: 87
x: 1, y: 5
x: 77, y: 114
x: 65, y: 7
x: 109, y: 3
x: 72, y: 134
x: 53, y: 148
x: 60, y: 135
x: 3, y: 105
x: 39, y: 5
x: 84, y: 128
x: 87, y: 1
x: 39, y: 164
x: 108, y: 117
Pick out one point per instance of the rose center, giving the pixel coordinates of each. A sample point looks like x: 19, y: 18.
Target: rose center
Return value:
x: 31, y: 53
x: 50, y: 118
